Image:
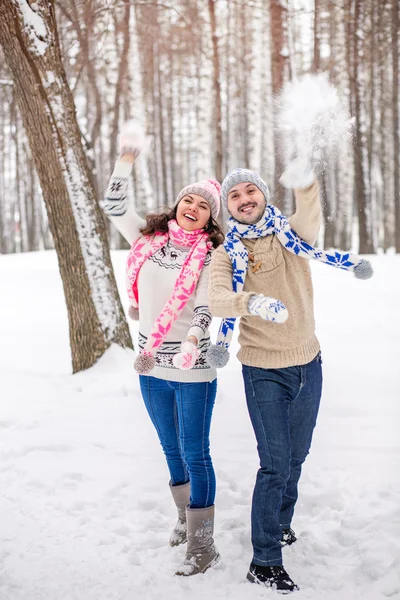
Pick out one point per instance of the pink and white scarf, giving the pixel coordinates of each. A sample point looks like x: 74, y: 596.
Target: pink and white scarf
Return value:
x: 199, y: 244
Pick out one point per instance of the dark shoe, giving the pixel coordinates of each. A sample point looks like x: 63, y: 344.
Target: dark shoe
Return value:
x: 288, y: 537
x: 274, y: 577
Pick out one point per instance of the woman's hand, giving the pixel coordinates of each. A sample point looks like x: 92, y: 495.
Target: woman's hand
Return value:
x: 186, y: 358
x: 128, y: 158
x: 132, y: 141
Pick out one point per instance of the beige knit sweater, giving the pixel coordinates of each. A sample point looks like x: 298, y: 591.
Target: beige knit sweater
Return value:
x: 282, y: 275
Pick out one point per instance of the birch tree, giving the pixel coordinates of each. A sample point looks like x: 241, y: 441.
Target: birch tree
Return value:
x: 279, y: 55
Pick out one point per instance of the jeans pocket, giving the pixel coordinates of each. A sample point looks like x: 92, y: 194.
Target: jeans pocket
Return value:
x: 318, y: 358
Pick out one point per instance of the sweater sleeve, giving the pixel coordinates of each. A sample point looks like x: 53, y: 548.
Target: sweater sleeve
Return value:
x: 306, y: 221
x: 201, y: 315
x: 123, y: 217
x: 222, y: 300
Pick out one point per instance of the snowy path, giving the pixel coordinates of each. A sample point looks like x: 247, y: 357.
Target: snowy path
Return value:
x: 85, y: 511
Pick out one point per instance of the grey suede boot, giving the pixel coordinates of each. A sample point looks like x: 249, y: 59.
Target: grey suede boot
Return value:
x: 181, y: 496
x: 201, y: 552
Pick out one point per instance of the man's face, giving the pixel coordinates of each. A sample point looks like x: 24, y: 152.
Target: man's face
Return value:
x: 246, y: 203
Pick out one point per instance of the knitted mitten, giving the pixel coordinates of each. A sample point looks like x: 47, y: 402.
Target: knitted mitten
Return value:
x: 298, y: 174
x: 268, y: 308
x: 186, y: 358
x: 132, y: 139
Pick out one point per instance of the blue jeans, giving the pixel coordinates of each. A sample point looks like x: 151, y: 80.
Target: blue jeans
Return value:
x: 283, y: 406
x: 181, y: 414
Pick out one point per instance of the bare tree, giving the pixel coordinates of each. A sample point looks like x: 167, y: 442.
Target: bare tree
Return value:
x: 217, y: 93
x: 29, y: 39
x: 355, y: 40
x: 327, y: 200
x: 278, y: 28
x: 395, y: 108
x: 123, y: 53
x: 201, y: 76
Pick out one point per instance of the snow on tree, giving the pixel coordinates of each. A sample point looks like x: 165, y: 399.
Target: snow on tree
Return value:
x: 29, y: 38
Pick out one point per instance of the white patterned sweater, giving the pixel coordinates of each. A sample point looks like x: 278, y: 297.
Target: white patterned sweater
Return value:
x: 156, y: 282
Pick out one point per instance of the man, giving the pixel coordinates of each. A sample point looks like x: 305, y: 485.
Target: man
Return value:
x: 259, y: 275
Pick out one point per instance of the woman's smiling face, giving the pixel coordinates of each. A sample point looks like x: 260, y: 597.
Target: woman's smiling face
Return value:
x: 193, y: 212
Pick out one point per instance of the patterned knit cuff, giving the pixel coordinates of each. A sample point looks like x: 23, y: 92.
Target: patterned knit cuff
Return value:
x: 201, y: 318
x: 200, y: 322
x: 114, y: 203
x: 122, y: 168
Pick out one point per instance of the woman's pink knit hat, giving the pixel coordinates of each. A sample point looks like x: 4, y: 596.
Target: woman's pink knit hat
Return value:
x: 209, y: 189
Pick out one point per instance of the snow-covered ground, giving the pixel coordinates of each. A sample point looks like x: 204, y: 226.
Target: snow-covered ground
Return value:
x: 85, y: 510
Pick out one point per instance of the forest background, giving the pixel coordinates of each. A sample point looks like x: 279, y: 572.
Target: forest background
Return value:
x: 202, y: 77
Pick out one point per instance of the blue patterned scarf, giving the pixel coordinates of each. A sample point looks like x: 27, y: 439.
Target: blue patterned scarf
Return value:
x: 273, y: 222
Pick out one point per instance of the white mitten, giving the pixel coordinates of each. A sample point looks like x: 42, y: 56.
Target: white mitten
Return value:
x: 132, y: 139
x: 268, y: 308
x: 298, y: 174
x: 186, y: 358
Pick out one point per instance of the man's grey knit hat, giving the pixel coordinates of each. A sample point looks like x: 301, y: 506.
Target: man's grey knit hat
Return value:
x: 240, y: 176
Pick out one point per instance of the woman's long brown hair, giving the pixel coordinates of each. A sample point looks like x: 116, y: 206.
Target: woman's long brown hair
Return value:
x: 158, y: 223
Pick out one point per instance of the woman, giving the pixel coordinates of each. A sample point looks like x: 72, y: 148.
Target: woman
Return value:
x: 167, y: 282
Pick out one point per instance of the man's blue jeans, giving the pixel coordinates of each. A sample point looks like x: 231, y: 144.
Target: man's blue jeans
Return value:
x: 181, y: 414
x: 283, y: 406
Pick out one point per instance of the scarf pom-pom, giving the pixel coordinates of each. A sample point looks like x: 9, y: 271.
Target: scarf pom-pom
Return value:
x: 363, y: 270
x: 217, y: 356
x: 133, y: 313
x: 144, y: 363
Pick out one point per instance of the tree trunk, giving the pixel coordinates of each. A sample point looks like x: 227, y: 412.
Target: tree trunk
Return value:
x: 4, y: 233
x: 317, y: 53
x: 362, y: 190
x: 30, y: 44
x: 34, y: 225
x: 217, y: 93
x: 161, y: 125
x: 278, y: 61
x: 395, y: 108
x: 120, y: 85
x: 245, y: 70
x: 326, y: 194
x: 119, y: 89
x: 83, y: 25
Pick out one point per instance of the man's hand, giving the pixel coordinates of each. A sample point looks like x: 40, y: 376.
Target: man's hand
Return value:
x: 268, y: 308
x: 298, y: 174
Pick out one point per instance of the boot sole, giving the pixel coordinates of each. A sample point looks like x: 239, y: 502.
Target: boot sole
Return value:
x: 250, y: 577
x: 212, y: 563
